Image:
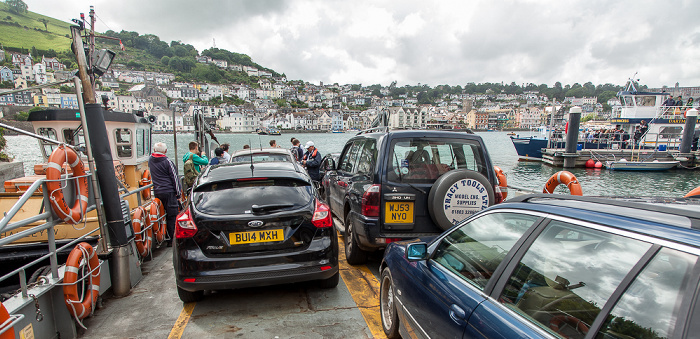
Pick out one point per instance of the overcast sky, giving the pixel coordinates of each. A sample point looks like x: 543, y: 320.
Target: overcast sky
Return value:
x: 427, y: 42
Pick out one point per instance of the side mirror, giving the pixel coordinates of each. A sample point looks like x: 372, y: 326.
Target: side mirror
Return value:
x: 417, y: 251
x: 330, y: 165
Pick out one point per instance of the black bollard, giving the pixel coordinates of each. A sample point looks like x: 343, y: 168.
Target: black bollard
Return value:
x: 570, y: 154
x: 691, y: 117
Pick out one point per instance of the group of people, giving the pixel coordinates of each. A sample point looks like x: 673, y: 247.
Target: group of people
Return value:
x: 166, y: 183
x: 678, y: 106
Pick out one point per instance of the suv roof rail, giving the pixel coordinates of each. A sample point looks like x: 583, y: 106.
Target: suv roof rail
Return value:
x: 384, y: 129
x: 640, y: 204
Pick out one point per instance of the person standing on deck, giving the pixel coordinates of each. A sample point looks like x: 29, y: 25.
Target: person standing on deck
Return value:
x: 227, y: 157
x: 166, y: 185
x: 197, y: 157
x: 312, y: 161
x: 296, y: 149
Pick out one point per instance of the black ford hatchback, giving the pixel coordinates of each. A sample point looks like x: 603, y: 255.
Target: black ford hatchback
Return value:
x: 253, y: 225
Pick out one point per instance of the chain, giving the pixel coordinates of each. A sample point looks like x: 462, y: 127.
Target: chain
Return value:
x: 39, y: 316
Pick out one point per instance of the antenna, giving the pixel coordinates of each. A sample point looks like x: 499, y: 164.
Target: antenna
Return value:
x: 260, y: 141
x: 213, y: 42
x: 251, y: 159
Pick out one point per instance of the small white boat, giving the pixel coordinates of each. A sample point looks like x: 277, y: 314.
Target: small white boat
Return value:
x: 624, y: 165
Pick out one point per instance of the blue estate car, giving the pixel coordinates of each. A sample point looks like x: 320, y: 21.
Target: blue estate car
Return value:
x: 551, y: 266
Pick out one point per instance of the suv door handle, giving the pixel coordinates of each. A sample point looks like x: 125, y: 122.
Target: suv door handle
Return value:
x: 457, y: 314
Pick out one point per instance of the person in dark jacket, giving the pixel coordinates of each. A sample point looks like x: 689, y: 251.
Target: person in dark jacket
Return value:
x: 312, y: 161
x: 166, y: 185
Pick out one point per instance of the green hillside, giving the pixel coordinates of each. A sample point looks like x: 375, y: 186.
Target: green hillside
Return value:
x: 25, y: 31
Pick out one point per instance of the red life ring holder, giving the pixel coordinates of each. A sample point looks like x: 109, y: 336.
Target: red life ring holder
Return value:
x: 159, y: 226
x: 557, y: 321
x: 145, y: 180
x: 502, y: 181
x: 81, y: 254
x: 140, y: 221
x: 58, y: 203
x: 563, y: 178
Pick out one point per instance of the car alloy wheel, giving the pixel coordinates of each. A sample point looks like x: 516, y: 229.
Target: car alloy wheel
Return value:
x: 353, y: 254
x: 390, y: 320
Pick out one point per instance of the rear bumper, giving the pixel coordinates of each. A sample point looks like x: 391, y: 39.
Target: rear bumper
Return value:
x: 230, y: 272
x: 370, y: 238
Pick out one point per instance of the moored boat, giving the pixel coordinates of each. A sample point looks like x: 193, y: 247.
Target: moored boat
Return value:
x: 624, y: 165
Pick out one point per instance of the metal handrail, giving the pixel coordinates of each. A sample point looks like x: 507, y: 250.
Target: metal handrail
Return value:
x: 11, y: 321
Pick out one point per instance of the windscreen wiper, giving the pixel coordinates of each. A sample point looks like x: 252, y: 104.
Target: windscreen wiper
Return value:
x: 263, y: 208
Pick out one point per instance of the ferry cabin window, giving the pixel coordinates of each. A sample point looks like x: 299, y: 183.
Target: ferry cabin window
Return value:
x: 47, y: 147
x: 122, y: 137
x: 140, y: 142
x: 74, y: 137
x: 647, y: 100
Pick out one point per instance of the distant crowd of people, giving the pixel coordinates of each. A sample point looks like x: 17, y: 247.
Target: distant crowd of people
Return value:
x: 678, y: 106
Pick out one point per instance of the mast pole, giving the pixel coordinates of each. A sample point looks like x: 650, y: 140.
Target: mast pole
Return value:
x: 78, y: 49
x: 92, y: 44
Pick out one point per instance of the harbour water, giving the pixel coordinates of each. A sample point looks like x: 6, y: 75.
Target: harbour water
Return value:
x: 532, y: 175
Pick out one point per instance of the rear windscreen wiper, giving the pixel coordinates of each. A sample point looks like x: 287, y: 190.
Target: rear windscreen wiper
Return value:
x: 263, y: 208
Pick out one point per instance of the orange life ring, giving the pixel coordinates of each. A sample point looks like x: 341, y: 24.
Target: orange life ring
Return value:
x: 695, y: 192
x: 563, y: 178
x: 157, y: 220
x: 58, y: 157
x: 556, y: 321
x: 145, y: 180
x: 81, y: 308
x: 5, y: 316
x: 502, y: 181
x: 140, y: 222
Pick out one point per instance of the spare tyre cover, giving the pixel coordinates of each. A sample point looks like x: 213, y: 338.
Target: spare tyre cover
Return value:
x: 457, y: 195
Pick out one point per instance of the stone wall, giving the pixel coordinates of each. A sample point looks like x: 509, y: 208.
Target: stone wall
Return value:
x: 10, y: 170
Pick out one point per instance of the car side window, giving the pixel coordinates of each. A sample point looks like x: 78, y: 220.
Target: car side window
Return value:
x: 475, y: 249
x: 568, y: 274
x: 659, y: 288
x: 349, y: 162
x: 367, y: 157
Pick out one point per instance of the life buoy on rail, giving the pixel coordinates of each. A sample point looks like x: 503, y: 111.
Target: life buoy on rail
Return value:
x: 158, y: 222
x: 59, y: 156
x: 145, y: 180
x: 502, y: 181
x: 694, y: 193
x: 556, y: 322
x: 5, y: 316
x: 565, y: 178
x: 143, y: 234
x: 81, y: 254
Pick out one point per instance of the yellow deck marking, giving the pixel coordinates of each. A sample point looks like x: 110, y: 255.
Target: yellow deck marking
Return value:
x: 364, y: 289
x: 182, y: 320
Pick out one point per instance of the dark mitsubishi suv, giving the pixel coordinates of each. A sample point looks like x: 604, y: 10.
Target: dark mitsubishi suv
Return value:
x: 394, y: 185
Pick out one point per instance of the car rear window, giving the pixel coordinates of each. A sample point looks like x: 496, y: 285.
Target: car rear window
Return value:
x: 262, y: 157
x: 423, y: 160
x: 239, y: 196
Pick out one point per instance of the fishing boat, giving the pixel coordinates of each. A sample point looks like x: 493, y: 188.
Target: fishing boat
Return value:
x: 274, y: 131
x: 337, y: 131
x: 624, y: 165
x: 261, y: 131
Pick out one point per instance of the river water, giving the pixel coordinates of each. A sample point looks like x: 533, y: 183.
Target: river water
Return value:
x: 532, y: 175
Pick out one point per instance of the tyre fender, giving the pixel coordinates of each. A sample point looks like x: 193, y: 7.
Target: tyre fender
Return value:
x: 457, y: 195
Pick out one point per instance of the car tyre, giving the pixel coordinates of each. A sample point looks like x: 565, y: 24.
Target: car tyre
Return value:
x: 440, y: 189
x: 387, y: 306
x: 189, y: 297
x: 354, y: 255
x: 331, y: 282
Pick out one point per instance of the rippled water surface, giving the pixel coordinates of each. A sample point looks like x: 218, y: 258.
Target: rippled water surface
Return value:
x: 523, y: 174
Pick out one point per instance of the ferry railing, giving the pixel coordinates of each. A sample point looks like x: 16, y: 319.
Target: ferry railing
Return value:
x: 52, y: 255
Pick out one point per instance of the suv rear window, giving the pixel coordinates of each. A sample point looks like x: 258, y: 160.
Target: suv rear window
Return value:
x: 423, y: 160
x: 237, y: 197
x: 262, y: 157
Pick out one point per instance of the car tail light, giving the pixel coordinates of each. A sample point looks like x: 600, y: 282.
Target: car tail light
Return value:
x: 326, y: 268
x: 370, y: 201
x: 190, y: 280
x: 185, y: 227
x: 322, y: 216
x: 498, y: 196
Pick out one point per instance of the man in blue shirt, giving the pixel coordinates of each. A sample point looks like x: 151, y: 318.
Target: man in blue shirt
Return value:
x: 312, y: 161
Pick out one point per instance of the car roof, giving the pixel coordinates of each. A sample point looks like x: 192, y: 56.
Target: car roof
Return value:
x: 232, y: 171
x: 674, y: 219
x: 261, y: 150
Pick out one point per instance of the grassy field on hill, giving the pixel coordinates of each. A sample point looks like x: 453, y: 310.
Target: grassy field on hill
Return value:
x: 31, y: 32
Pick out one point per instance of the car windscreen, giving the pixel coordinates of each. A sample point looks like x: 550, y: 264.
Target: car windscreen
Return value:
x: 262, y: 157
x: 423, y: 160
x: 253, y: 195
